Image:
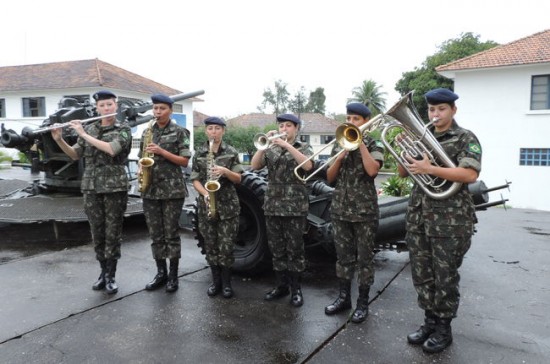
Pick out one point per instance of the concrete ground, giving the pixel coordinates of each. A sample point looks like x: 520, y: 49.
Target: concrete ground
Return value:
x: 50, y: 314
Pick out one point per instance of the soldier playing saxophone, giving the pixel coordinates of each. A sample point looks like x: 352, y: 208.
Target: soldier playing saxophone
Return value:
x: 218, y: 161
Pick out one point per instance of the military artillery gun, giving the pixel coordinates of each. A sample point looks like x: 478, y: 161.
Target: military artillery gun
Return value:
x: 61, y: 175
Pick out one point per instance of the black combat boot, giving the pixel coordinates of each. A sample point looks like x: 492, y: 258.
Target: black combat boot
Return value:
x: 362, y: 310
x: 441, y: 338
x: 216, y: 286
x: 110, y: 283
x: 100, y: 283
x: 173, y: 284
x: 343, y: 302
x: 296, y: 298
x: 423, y: 333
x: 282, y: 288
x: 161, y: 277
x: 227, y: 290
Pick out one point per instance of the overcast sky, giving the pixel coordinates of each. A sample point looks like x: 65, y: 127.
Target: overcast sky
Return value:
x: 234, y: 50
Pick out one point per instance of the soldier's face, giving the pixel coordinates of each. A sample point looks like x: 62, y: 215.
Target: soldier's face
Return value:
x: 289, y: 128
x: 443, y: 115
x: 356, y: 120
x: 108, y: 106
x: 215, y: 132
x: 162, y: 111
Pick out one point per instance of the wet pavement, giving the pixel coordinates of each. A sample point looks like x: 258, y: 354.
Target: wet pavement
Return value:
x: 50, y: 314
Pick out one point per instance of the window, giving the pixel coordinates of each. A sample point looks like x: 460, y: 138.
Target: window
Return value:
x: 534, y: 157
x: 34, y: 106
x: 304, y: 138
x: 2, y: 108
x: 325, y: 139
x: 540, y: 92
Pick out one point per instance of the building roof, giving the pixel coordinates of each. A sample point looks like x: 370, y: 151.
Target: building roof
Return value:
x: 77, y: 74
x: 529, y: 50
x: 312, y: 122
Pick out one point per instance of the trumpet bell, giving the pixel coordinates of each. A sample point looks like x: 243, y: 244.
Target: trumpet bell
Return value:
x: 261, y: 141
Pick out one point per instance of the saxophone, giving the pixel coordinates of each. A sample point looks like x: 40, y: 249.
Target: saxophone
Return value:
x: 211, y: 185
x: 146, y: 161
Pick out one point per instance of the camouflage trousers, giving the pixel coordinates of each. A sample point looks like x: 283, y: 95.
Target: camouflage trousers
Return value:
x: 434, y: 266
x: 285, y: 236
x: 162, y: 217
x: 354, y: 243
x: 219, y: 239
x: 105, y: 213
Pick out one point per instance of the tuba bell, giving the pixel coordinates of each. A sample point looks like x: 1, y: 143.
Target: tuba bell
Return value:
x: 417, y: 140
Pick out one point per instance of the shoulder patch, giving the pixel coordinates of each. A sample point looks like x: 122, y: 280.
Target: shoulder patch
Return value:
x: 124, y: 134
x: 474, y: 148
x: 379, y: 144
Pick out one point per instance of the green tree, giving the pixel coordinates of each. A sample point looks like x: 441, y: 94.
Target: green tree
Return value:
x: 316, y: 102
x: 369, y: 94
x: 298, y: 104
x: 241, y: 138
x: 278, y: 99
x: 424, y: 78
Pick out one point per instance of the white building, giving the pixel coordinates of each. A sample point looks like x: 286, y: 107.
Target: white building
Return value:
x: 30, y: 93
x: 505, y: 100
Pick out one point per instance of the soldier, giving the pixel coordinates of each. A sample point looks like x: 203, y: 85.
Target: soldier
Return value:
x: 439, y: 231
x: 217, y: 163
x: 286, y: 206
x: 354, y: 212
x: 164, y: 197
x: 104, y: 145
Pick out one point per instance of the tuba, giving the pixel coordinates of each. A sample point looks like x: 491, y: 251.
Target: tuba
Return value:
x: 146, y: 161
x: 211, y: 185
x: 418, y: 140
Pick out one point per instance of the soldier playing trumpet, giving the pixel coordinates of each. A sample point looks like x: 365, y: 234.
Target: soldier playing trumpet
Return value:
x: 286, y: 206
x: 217, y: 161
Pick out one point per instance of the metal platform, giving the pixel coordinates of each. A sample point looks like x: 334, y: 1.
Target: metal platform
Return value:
x: 46, y: 208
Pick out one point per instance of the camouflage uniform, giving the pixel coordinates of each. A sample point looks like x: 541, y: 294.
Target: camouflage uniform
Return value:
x: 220, y: 233
x: 286, y: 206
x: 163, y: 200
x: 105, y: 186
x: 354, y: 213
x: 439, y: 232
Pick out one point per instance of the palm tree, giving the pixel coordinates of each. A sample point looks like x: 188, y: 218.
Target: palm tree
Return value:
x: 369, y: 94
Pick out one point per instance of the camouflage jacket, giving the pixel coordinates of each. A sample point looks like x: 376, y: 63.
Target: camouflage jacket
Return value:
x: 167, y: 179
x: 286, y: 195
x: 454, y: 216
x: 227, y: 201
x: 103, y: 173
x: 354, y: 198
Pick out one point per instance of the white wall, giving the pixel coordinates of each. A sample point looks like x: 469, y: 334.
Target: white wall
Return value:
x: 494, y: 104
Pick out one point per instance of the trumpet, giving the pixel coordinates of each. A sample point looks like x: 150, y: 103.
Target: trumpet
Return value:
x: 263, y: 141
x: 348, y: 136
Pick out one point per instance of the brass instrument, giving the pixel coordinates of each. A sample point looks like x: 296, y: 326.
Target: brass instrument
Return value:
x: 211, y: 185
x: 146, y: 161
x: 262, y: 141
x: 348, y: 136
x: 416, y: 141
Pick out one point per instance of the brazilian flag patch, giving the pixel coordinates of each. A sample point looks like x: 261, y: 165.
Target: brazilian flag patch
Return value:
x: 124, y: 134
x: 379, y: 144
x: 474, y: 148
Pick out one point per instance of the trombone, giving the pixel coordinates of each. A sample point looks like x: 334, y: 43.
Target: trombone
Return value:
x: 348, y: 136
x: 263, y: 141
